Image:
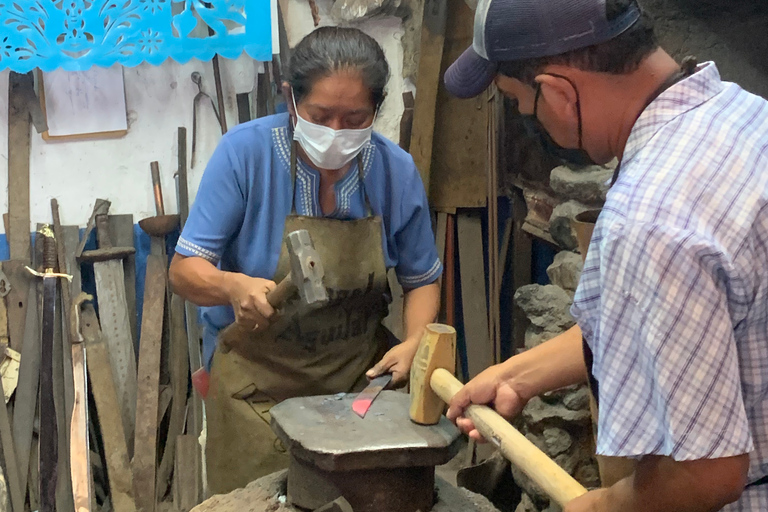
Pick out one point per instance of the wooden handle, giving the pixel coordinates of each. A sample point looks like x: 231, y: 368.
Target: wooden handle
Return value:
x: 230, y: 335
x: 282, y: 291
x: 157, y: 189
x: 552, y: 479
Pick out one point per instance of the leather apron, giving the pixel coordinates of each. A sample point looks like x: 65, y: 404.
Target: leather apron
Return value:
x: 324, y: 352
x: 612, y: 469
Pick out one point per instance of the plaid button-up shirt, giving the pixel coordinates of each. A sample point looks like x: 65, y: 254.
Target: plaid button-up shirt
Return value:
x: 673, y: 299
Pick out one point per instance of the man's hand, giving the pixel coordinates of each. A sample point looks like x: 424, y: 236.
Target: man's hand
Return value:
x: 491, y: 388
x: 593, y: 501
x: 396, y: 361
x: 248, y: 296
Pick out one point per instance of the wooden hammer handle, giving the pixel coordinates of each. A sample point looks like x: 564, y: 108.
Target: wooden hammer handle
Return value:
x: 281, y: 292
x: 552, y: 479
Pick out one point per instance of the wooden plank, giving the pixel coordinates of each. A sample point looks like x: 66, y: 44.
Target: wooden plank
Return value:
x: 521, y: 261
x: 441, y: 226
x: 12, y: 475
x: 145, y: 447
x: 27, y: 388
x: 109, y: 412
x: 473, y: 294
x: 17, y: 300
x: 433, y: 32
x: 121, y: 231
x: 187, y: 486
x: 459, y: 167
x: 18, y: 167
x: 179, y: 384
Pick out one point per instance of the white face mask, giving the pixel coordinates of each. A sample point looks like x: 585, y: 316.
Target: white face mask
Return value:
x: 326, y: 147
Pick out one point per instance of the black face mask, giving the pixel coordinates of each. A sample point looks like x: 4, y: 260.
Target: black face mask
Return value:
x: 536, y: 130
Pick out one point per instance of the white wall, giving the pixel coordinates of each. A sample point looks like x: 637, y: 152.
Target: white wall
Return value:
x: 159, y: 99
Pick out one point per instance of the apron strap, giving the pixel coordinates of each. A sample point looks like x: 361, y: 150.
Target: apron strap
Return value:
x: 687, y: 68
x: 360, y: 174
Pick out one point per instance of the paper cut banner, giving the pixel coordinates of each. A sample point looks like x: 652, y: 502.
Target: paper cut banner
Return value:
x: 77, y: 34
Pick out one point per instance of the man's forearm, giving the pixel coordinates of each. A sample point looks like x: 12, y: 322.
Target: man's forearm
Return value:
x: 552, y: 365
x: 661, y: 484
x: 199, y: 281
x: 421, y: 306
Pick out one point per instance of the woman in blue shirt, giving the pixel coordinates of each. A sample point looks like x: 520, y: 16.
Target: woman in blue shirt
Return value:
x: 321, y: 168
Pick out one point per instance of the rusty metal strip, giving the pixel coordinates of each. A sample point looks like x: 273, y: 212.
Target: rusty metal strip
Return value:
x: 148, y: 381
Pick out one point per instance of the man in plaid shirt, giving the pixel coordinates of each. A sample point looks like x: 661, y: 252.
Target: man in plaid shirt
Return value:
x: 672, y: 306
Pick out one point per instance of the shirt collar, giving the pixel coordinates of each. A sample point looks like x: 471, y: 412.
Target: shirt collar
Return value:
x: 683, y: 96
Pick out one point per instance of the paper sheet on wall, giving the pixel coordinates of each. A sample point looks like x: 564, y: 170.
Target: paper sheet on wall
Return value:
x: 85, y: 102
x: 275, y: 28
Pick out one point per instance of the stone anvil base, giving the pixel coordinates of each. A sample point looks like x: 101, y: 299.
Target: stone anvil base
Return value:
x: 267, y: 494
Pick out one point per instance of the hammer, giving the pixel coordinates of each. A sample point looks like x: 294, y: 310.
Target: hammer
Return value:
x: 306, y: 277
x: 433, y: 384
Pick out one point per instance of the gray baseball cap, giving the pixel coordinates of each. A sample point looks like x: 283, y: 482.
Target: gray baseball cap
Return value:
x: 509, y: 30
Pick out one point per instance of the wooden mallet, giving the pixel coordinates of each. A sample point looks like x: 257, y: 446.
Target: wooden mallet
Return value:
x: 433, y: 385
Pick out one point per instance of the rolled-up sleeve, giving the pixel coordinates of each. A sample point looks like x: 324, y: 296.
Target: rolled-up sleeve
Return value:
x: 418, y: 263
x: 665, y: 352
x: 218, y: 210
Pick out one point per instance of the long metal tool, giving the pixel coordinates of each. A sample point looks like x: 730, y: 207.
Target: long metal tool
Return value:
x: 365, y: 399
x: 79, y: 448
x: 115, y: 324
x: 201, y: 96
x: 48, y: 460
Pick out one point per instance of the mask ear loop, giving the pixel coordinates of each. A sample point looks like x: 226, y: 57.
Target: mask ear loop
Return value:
x: 578, y: 102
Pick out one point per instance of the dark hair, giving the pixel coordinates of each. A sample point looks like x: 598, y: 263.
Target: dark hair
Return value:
x: 330, y: 49
x: 622, y: 54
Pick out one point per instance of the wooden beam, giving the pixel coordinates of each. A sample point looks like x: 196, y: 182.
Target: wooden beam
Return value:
x: 427, y: 85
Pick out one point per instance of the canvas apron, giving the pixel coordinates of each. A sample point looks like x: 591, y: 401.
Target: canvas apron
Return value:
x: 325, y: 352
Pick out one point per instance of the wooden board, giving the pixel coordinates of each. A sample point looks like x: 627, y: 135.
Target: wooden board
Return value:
x: 18, y: 168
x: 145, y: 447
x: 459, y: 161
x: 179, y: 384
x: 433, y: 33
x: 17, y: 300
x: 121, y: 235
x: 115, y: 327
x: 187, y: 486
x: 12, y: 475
x: 521, y: 270
x: 108, y: 410
x: 27, y: 389
x: 473, y: 294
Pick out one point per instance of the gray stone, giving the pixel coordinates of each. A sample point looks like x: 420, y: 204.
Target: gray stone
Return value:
x: 565, y: 270
x: 586, y: 184
x: 557, y: 440
x: 351, y: 10
x: 577, y: 400
x: 560, y: 223
x: 526, y: 505
x: 537, y: 412
x: 547, y: 307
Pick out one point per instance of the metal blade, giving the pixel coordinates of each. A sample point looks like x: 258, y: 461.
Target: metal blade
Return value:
x: 48, y: 429
x: 366, y: 397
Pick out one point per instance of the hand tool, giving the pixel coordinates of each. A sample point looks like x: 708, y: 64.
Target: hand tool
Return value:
x: 48, y: 461
x: 115, y: 324
x: 79, y: 449
x: 432, y: 384
x: 161, y: 224
x: 306, y: 277
x: 200, y: 96
x: 365, y: 398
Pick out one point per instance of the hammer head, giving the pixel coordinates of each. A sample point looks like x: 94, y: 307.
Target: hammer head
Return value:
x: 436, y: 350
x: 306, y: 269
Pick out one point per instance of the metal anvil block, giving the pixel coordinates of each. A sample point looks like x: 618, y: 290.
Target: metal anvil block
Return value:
x: 381, y: 463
